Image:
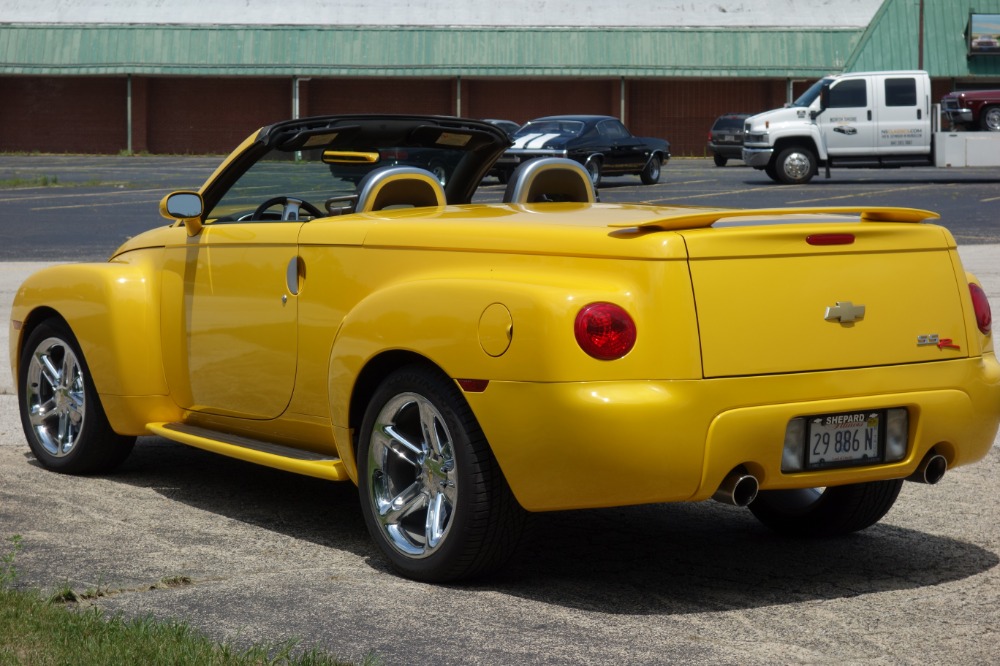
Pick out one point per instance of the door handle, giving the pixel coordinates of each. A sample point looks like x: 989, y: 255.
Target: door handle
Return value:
x: 869, y: 114
x: 293, y: 275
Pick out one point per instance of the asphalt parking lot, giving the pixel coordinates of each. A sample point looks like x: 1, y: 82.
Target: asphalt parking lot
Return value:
x: 255, y: 554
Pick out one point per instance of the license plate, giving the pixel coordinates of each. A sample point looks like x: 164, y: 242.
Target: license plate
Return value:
x: 727, y: 138
x: 846, y: 439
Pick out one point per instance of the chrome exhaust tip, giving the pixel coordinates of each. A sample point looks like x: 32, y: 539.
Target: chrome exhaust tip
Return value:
x: 737, y: 489
x: 931, y: 469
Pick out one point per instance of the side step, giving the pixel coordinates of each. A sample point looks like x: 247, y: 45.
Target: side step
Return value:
x: 256, y: 451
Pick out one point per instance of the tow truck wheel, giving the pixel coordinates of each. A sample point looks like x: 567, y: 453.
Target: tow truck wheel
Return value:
x: 771, y: 172
x: 795, y: 165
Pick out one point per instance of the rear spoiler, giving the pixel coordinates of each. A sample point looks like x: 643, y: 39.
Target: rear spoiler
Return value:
x: 703, y: 217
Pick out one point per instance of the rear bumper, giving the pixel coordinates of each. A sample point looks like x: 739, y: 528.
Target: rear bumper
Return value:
x: 730, y: 150
x: 577, y: 445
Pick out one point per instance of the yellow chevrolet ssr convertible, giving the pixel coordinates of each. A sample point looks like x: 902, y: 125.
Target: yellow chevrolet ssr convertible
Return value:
x: 331, y: 303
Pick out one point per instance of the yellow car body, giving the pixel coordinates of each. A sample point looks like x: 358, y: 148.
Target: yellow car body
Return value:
x: 267, y: 340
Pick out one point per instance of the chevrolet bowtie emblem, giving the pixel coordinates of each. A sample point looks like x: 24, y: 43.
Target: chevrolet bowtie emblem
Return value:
x: 845, y: 312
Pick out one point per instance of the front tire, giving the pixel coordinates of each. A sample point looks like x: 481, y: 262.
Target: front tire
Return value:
x: 432, y: 494
x: 651, y: 172
x: 61, y: 413
x: 825, y: 512
x: 989, y: 121
x: 795, y: 166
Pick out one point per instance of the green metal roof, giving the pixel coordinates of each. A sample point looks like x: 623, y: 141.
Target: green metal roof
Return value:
x: 892, y: 39
x: 78, y: 49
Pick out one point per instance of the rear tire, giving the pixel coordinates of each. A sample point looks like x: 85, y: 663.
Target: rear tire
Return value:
x: 61, y: 413
x: 432, y: 494
x: 825, y: 512
x: 720, y: 160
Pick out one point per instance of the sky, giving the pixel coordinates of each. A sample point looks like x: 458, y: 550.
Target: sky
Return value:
x: 515, y: 13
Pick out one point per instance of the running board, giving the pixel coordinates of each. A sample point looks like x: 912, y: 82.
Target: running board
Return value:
x: 256, y: 451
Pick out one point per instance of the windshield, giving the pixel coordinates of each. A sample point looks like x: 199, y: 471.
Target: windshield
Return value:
x: 809, y: 96
x: 729, y: 123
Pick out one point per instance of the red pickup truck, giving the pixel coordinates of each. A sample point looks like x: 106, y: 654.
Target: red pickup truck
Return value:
x: 974, y: 109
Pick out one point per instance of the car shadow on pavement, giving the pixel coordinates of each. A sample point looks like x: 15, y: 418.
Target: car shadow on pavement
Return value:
x: 301, y: 507
x: 654, y: 559
x: 703, y: 557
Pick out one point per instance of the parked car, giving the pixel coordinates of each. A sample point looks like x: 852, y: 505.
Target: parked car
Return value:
x: 467, y: 363
x: 601, y: 144
x: 725, y: 138
x: 973, y: 109
x: 508, y: 126
x: 984, y: 44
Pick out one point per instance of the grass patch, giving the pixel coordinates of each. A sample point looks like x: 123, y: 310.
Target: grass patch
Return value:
x: 39, y: 631
x: 53, y: 181
x: 37, y: 181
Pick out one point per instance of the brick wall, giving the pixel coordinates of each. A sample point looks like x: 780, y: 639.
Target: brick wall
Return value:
x: 212, y: 115
x: 63, y: 114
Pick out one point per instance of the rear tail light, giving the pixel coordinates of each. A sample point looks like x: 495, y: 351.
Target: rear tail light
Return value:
x: 830, y: 239
x: 605, y: 331
x: 981, y: 306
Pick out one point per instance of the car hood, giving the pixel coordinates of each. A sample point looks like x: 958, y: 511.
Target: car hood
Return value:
x: 771, y: 120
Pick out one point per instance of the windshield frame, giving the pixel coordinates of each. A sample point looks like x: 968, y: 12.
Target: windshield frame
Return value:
x: 812, y: 94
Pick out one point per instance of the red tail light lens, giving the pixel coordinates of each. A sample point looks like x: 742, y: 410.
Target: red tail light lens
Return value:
x: 605, y: 331
x: 830, y: 239
x: 981, y: 306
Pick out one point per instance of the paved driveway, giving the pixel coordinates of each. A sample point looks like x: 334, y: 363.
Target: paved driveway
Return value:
x: 256, y: 554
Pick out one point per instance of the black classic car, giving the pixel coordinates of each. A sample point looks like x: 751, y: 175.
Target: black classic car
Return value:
x: 601, y: 144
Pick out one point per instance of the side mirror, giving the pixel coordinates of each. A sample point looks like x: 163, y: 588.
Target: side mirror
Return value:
x: 184, y: 206
x: 824, y: 100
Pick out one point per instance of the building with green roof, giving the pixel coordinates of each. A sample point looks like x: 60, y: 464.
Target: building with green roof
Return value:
x: 99, y: 86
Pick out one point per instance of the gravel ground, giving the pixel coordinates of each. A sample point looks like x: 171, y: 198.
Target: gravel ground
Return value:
x: 256, y: 554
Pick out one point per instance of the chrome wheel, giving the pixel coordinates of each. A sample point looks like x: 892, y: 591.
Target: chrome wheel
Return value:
x: 991, y: 119
x: 593, y: 167
x: 413, y: 484
x: 440, y: 173
x: 432, y: 494
x: 796, y: 166
x: 61, y: 412
x: 55, y: 397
